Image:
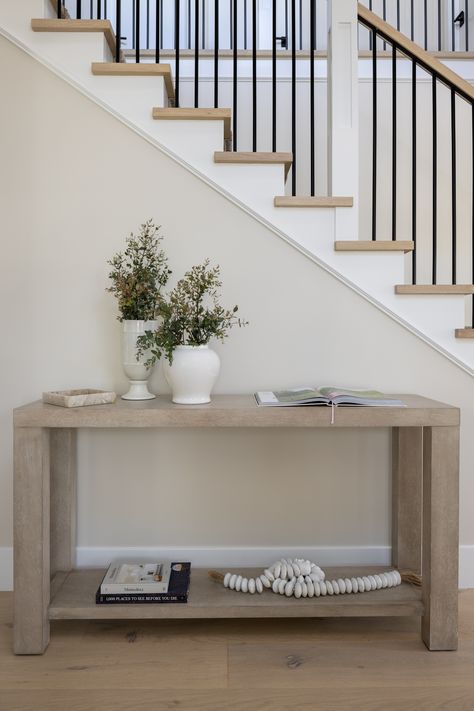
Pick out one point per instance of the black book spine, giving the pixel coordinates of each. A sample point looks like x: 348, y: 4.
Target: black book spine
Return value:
x: 138, y: 599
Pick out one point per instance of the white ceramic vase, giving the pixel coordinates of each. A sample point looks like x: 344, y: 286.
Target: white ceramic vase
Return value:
x: 192, y: 374
x: 134, y: 369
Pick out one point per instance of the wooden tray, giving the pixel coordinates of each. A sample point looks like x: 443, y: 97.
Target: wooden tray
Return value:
x: 79, y: 398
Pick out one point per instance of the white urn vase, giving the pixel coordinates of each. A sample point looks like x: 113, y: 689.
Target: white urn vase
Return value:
x: 134, y: 369
x: 192, y: 374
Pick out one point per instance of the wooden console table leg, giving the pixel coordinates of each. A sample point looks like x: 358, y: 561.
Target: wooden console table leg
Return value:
x: 407, y: 468
x: 63, y: 499
x: 31, y: 540
x: 440, y: 537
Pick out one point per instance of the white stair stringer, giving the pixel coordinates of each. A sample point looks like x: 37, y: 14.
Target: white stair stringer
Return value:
x: 252, y: 187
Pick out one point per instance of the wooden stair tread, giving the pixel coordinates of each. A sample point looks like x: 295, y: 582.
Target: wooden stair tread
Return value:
x: 173, y: 114
x: 374, y: 246
x: 306, y: 201
x: 464, y: 332
x: 57, y: 25
x: 132, y: 69
x: 434, y: 289
x: 254, y: 158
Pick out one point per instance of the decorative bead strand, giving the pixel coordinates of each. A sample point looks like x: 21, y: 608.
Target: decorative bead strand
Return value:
x: 302, y: 578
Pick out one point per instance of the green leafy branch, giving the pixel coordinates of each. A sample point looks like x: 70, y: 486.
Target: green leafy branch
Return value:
x: 138, y: 275
x: 191, y: 315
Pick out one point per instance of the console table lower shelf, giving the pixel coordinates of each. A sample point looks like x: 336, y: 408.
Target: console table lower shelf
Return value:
x: 73, y: 598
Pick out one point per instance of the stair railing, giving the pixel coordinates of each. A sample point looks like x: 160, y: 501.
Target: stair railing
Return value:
x: 231, y: 32
x: 461, y: 257
x: 435, y: 25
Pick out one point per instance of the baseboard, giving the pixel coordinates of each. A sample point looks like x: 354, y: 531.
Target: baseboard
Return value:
x: 6, y: 568
x: 221, y: 557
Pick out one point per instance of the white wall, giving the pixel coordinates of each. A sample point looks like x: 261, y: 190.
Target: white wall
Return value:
x: 74, y: 183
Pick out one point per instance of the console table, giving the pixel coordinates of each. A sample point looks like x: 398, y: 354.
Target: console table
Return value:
x: 425, y: 466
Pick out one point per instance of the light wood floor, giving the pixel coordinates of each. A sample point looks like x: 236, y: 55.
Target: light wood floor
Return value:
x: 364, y: 664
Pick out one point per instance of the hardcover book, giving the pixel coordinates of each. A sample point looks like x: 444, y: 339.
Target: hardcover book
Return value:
x: 139, y: 577
x: 325, y: 396
x: 177, y: 591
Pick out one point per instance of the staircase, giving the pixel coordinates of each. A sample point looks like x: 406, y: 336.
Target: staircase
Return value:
x: 324, y: 228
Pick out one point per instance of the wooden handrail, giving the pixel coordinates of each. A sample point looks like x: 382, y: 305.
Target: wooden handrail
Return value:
x: 423, y: 58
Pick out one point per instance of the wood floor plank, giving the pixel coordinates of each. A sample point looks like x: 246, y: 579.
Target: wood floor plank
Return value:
x: 394, y: 698
x: 309, y: 665
x: 102, y: 665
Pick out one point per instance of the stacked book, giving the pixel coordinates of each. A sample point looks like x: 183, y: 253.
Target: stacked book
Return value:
x: 143, y: 582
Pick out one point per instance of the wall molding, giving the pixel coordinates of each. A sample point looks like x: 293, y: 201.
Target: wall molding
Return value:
x: 233, y: 556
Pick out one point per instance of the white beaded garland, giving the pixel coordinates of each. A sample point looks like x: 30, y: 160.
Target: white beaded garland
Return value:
x: 301, y: 578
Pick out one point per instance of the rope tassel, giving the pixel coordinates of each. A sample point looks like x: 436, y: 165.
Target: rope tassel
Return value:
x: 301, y: 578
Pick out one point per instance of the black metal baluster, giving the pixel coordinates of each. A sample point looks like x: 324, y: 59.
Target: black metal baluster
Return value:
x: 293, y: 95
x: 216, y: 53
x: 425, y: 23
x: 394, y: 142
x: 274, y: 103
x: 472, y: 189
x: 301, y: 24
x: 105, y: 9
x: 203, y: 24
x: 312, y: 33
x: 453, y: 185
x: 245, y: 24
x: 413, y: 168
x: 466, y: 24
x: 234, y: 76
x: 79, y: 9
x: 452, y: 26
x: 157, y: 32
x: 176, y: 46
x: 196, y: 54
x: 254, y: 75
x: 412, y: 22
x: 384, y: 17
x: 439, y: 25
x: 161, y: 24
x: 99, y: 10
x: 148, y: 24
x: 189, y: 24
x: 370, y: 32
x: 137, y: 35
x: 374, y: 134
x: 435, y: 179
x: 118, y: 28
x: 231, y: 23
x: 133, y: 22
x: 91, y: 10
x: 398, y: 15
x: 59, y: 9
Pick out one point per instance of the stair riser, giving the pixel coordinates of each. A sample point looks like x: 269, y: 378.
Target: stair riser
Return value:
x: 131, y: 96
x: 72, y: 50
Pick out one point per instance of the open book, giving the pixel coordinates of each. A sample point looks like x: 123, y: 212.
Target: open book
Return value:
x: 325, y: 396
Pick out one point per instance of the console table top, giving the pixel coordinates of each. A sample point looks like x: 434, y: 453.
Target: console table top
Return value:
x: 235, y: 411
